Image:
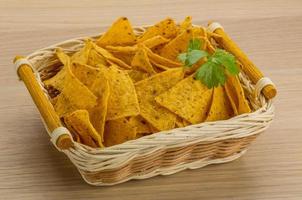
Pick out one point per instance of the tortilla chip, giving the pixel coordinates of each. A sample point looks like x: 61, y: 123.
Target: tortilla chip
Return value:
x: 122, y: 49
x: 236, y: 95
x: 75, y: 95
x: 109, y: 57
x: 85, y: 73
x: 118, y: 131
x: 159, y: 66
x: 186, y: 24
x: 141, y: 61
x: 199, y: 32
x: 189, y: 99
x: 136, y: 75
x: 161, y: 60
x: 179, y: 122
x: 177, y: 45
x: 101, y: 89
x: 139, y: 135
x: 221, y: 108
x: 120, y: 33
x: 57, y: 81
x: 141, y: 124
x: 148, y: 89
x: 78, y: 121
x: 155, y: 41
x: 123, y: 99
x: 166, y: 28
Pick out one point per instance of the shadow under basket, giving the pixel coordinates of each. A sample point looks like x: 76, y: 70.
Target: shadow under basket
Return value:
x: 162, y: 153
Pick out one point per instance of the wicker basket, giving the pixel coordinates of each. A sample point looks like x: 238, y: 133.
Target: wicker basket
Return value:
x: 162, y: 153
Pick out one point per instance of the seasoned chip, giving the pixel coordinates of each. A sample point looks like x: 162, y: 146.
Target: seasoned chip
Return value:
x: 221, y: 108
x: 122, y: 49
x: 141, y: 124
x: 79, y: 122
x: 186, y: 24
x: 177, y: 45
x: 123, y: 99
x: 141, y: 61
x: 236, y: 96
x: 136, y: 75
x: 118, y: 131
x: 120, y: 33
x: 166, y: 28
x: 189, y: 99
x: 57, y: 81
x: 161, y: 60
x: 101, y: 89
x: 155, y: 41
x: 85, y: 73
x: 75, y: 95
x: 148, y: 89
x: 159, y: 66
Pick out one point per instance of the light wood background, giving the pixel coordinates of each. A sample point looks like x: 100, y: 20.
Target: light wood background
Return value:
x: 269, y: 31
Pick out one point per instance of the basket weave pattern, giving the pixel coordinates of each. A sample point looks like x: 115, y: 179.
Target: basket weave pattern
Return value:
x: 166, y: 152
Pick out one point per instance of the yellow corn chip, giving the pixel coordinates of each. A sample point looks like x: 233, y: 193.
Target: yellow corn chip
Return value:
x: 189, y: 99
x: 148, y: 89
x: 186, y: 24
x: 161, y: 60
x: 141, y: 61
x: 166, y: 28
x: 80, y: 123
x: 122, y: 49
x: 120, y: 33
x: 101, y: 89
x: 159, y: 66
x: 118, y: 131
x: 75, y: 95
x: 140, y: 123
x: 177, y: 45
x: 236, y: 96
x: 57, y: 81
x: 123, y: 99
x: 136, y: 75
x: 221, y: 108
x: 85, y: 73
x: 155, y: 41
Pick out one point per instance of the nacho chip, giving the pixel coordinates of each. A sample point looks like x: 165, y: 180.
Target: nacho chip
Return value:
x: 221, y: 108
x: 177, y: 45
x: 118, y: 131
x: 123, y: 99
x: 155, y: 41
x: 136, y: 75
x: 186, y: 24
x: 120, y: 33
x: 159, y: 66
x: 85, y: 73
x: 148, y: 89
x: 57, y: 81
x: 236, y: 96
x: 161, y: 60
x: 75, y: 95
x: 80, y: 123
x: 122, y: 49
x: 101, y: 89
x: 141, y: 61
x: 141, y: 124
x: 166, y: 28
x: 109, y: 57
x: 189, y: 99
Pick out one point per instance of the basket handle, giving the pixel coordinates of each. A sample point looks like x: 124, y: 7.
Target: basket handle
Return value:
x: 63, y: 139
x: 269, y: 90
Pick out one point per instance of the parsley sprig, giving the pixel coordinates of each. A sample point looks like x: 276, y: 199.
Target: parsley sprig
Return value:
x: 215, y: 70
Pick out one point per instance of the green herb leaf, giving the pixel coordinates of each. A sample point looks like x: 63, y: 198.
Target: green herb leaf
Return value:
x: 213, y: 72
x: 194, y: 56
x: 194, y: 44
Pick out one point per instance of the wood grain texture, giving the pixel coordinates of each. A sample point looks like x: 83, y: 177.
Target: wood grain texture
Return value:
x: 270, y: 32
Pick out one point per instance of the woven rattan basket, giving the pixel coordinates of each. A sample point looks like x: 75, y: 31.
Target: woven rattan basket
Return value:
x: 162, y: 153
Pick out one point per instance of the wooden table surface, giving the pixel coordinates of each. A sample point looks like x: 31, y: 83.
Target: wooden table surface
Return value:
x: 270, y: 32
